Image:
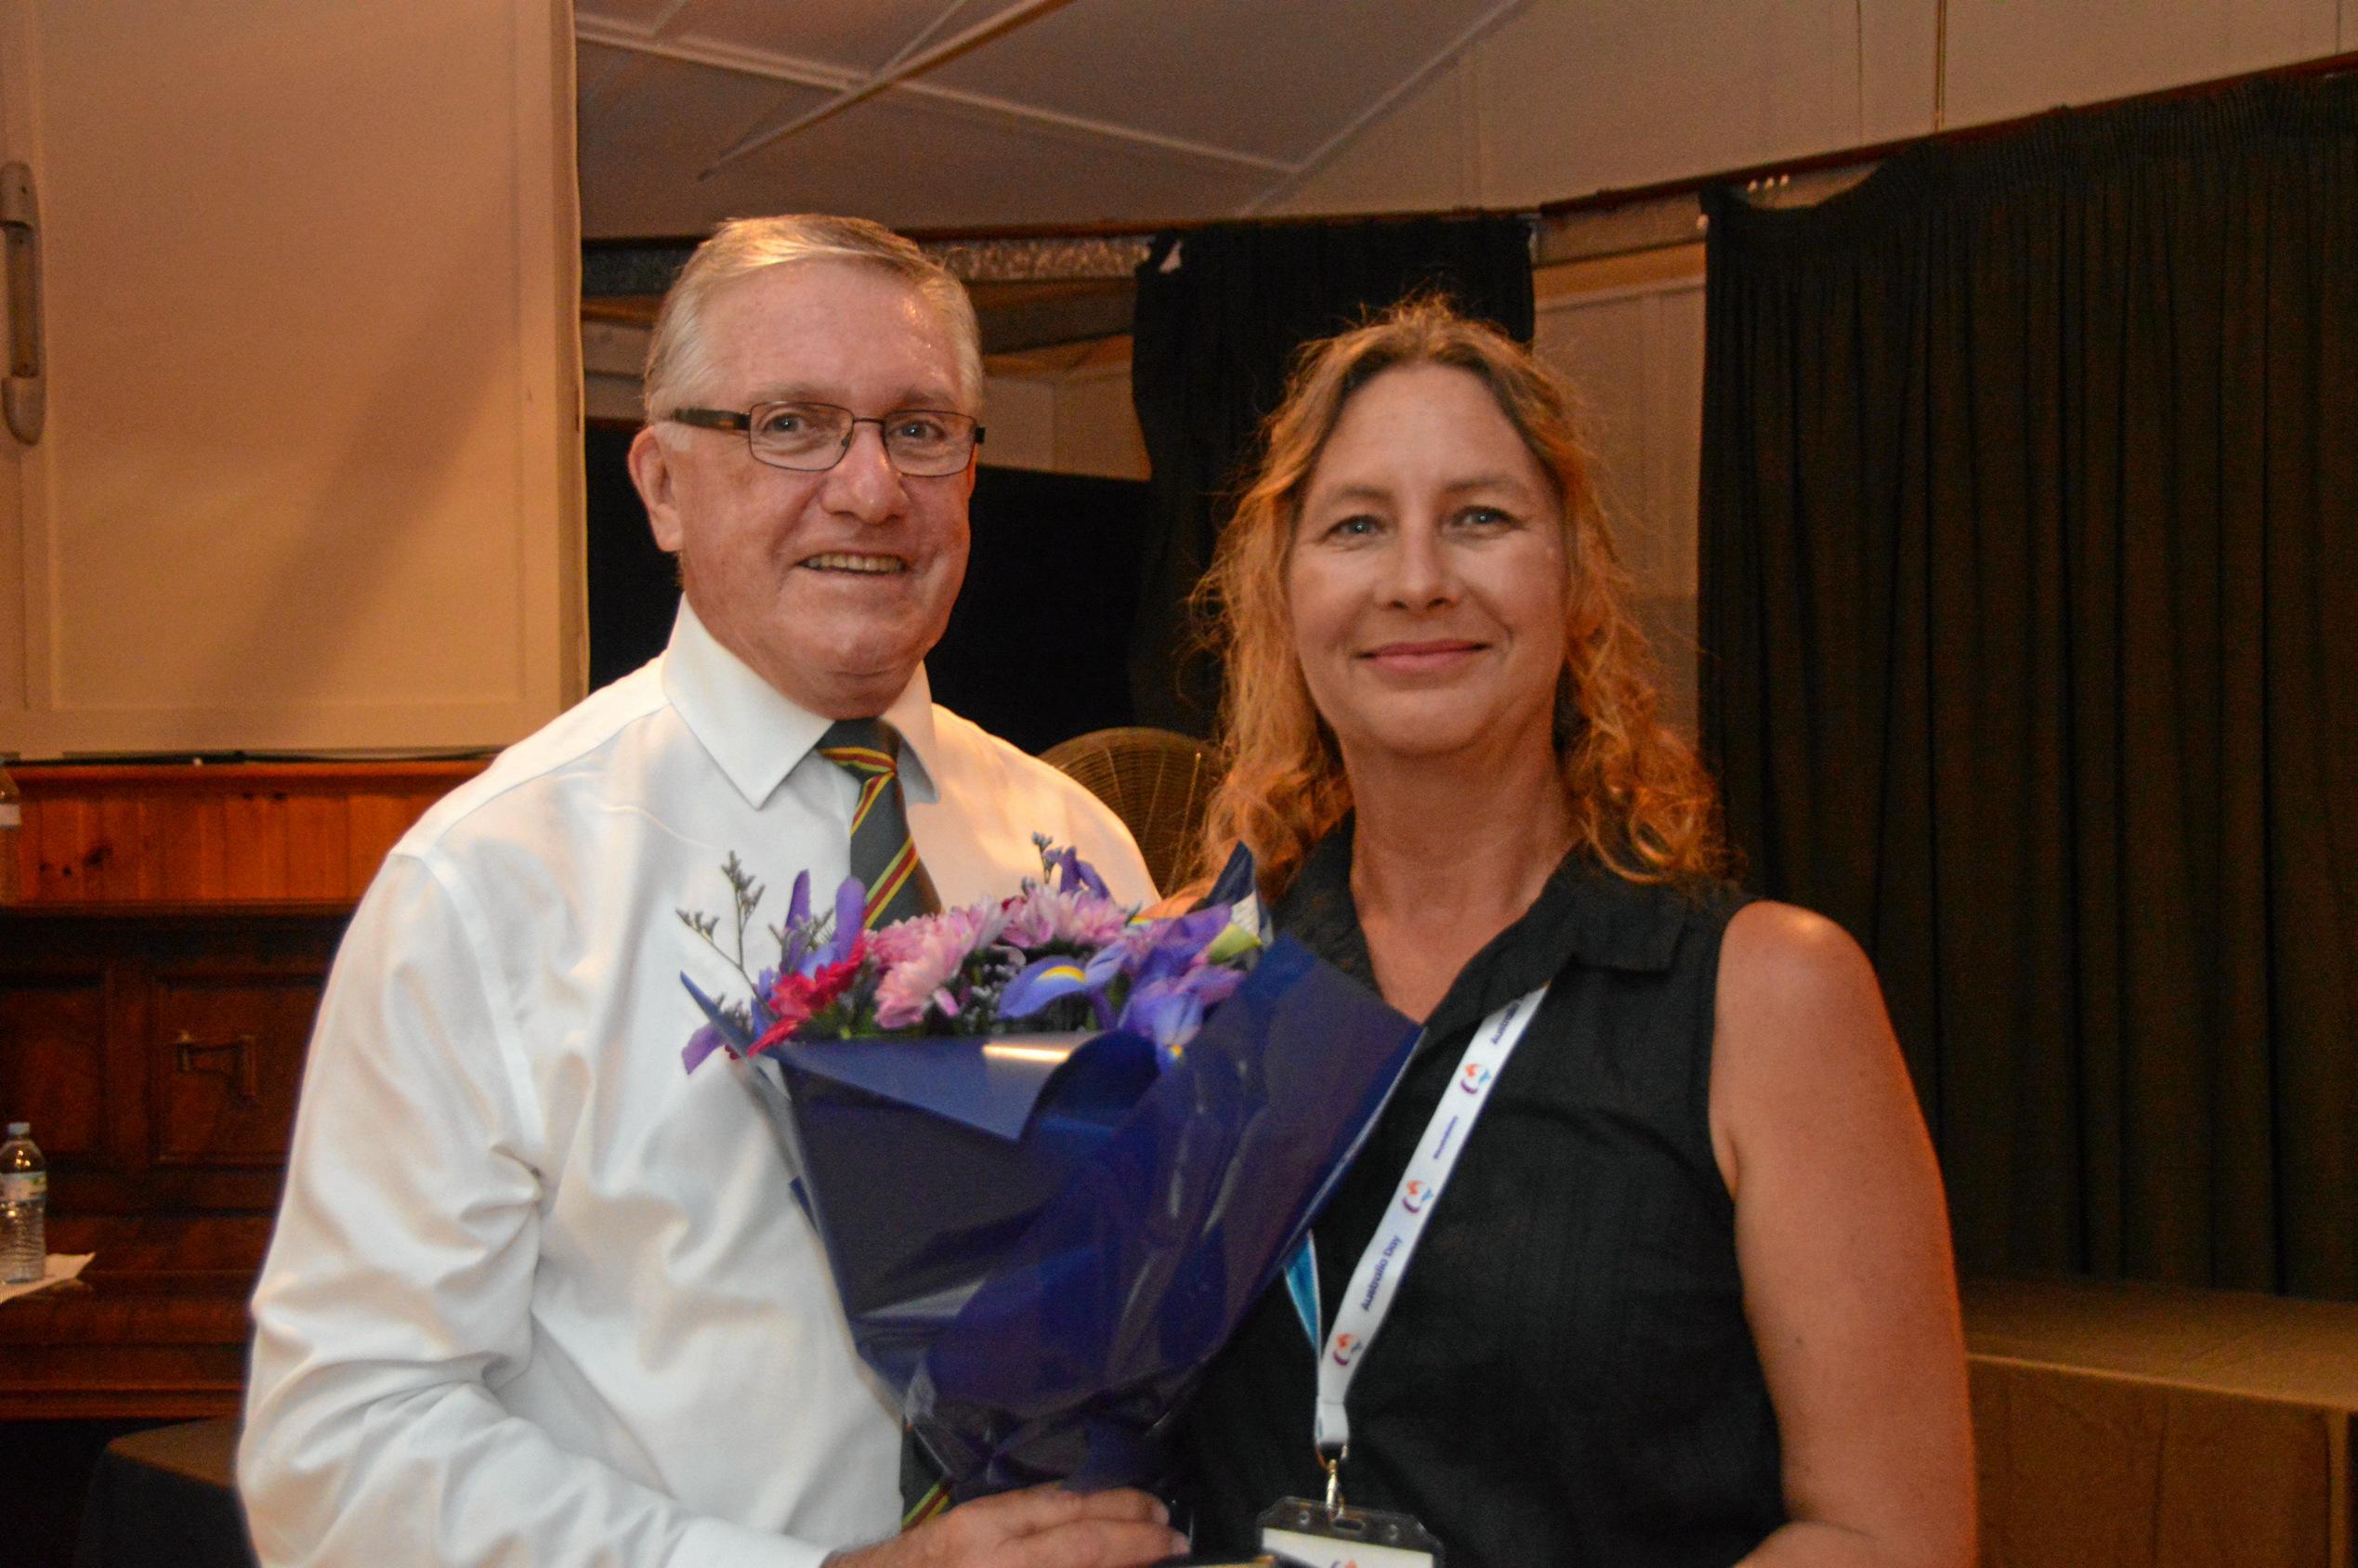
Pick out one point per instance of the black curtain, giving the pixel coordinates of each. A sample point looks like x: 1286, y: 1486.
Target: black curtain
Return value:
x: 634, y: 587
x: 1035, y: 648
x: 2030, y: 610
x: 1220, y: 312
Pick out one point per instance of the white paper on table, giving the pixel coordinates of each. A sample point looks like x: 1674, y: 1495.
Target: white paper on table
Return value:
x: 58, y: 1268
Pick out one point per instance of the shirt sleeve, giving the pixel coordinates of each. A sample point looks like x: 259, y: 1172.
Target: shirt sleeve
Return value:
x: 397, y: 1295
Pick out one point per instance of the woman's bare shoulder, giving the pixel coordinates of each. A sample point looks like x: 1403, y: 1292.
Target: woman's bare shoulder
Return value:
x: 1782, y: 964
x: 1802, y: 1051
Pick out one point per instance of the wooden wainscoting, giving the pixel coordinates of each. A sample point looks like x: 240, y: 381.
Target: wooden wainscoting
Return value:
x: 231, y: 832
x: 157, y: 988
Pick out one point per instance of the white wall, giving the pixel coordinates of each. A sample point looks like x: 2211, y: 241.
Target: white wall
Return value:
x: 1064, y: 410
x: 1570, y: 97
x: 1629, y: 336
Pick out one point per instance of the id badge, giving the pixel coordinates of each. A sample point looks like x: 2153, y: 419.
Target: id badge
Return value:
x: 1345, y: 1537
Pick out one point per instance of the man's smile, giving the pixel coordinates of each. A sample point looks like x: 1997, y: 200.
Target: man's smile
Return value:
x: 874, y: 565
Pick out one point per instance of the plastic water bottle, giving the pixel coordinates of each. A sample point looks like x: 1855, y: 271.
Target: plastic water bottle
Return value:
x: 24, y: 1202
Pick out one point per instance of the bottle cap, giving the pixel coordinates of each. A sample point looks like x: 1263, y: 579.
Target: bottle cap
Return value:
x: 19, y: 1129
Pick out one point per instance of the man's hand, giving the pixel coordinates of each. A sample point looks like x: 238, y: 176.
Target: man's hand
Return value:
x: 1041, y: 1527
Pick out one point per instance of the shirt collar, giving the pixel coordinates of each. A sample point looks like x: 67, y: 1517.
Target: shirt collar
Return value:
x: 757, y: 736
x: 1584, y: 914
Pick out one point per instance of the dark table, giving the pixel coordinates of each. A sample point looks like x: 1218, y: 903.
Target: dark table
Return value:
x: 166, y: 1498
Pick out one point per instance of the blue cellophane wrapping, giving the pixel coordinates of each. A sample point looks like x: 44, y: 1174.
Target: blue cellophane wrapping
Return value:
x: 1039, y: 1243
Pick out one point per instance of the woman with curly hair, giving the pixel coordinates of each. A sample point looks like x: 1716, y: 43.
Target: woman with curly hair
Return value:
x: 1686, y: 1294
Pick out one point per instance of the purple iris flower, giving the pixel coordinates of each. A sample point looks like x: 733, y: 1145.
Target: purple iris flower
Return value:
x: 1073, y: 872
x: 764, y: 983
x: 800, y: 955
x: 720, y: 1030
x: 1164, y: 948
x: 1168, y: 985
x: 851, y: 919
x: 1052, y: 979
x: 1170, y: 1009
x: 797, y: 929
x: 1185, y: 938
x: 700, y: 1045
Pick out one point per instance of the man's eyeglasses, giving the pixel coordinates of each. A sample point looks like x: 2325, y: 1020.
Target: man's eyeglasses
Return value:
x: 812, y: 438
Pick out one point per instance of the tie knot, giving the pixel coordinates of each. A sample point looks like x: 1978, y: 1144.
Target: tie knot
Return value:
x: 862, y: 745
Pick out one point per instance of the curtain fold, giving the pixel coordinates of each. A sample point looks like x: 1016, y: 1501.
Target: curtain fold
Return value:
x: 1221, y: 311
x: 2029, y: 532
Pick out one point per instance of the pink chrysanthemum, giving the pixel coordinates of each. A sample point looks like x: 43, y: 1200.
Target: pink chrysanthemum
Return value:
x: 922, y: 958
x: 1041, y: 916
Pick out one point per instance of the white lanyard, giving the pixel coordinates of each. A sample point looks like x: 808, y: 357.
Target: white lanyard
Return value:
x: 1363, y: 1308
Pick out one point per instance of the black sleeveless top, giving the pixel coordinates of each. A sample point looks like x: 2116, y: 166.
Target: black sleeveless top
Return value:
x: 1566, y: 1376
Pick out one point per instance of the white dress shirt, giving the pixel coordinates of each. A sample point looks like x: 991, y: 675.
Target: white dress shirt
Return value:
x: 537, y: 1295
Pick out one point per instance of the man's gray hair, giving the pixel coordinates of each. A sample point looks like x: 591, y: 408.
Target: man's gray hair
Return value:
x: 678, y: 360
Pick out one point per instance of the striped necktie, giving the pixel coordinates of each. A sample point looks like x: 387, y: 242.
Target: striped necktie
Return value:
x: 883, y: 856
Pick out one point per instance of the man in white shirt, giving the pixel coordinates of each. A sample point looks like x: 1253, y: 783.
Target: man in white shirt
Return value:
x: 537, y: 1295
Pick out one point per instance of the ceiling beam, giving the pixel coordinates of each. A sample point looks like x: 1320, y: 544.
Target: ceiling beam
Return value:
x: 900, y: 68
x: 721, y: 57
x: 836, y: 79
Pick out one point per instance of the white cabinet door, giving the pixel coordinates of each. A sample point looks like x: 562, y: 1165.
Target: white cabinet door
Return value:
x: 310, y: 475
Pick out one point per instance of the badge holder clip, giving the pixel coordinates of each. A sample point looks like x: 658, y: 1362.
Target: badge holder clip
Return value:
x: 1330, y: 1533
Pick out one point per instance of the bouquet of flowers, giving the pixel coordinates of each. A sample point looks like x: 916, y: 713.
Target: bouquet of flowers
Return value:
x: 1054, y: 1152
x: 1060, y: 954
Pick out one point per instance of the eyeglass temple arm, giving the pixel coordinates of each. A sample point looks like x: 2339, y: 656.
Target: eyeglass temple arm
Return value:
x: 710, y: 419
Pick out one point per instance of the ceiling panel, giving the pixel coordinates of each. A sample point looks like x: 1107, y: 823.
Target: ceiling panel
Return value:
x: 1273, y: 80
x: 1070, y: 112
x: 597, y: 71
x: 641, y: 148
x: 908, y: 163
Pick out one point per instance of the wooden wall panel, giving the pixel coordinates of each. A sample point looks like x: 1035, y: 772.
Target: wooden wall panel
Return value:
x: 233, y: 834
x: 52, y: 1063
x: 224, y: 1064
x: 157, y: 1046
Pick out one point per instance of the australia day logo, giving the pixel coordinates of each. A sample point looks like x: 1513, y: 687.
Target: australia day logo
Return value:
x: 1415, y: 1196
x: 1475, y: 1076
x: 1347, y: 1348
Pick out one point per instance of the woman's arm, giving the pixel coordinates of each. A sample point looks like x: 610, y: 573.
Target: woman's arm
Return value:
x: 1843, y: 1238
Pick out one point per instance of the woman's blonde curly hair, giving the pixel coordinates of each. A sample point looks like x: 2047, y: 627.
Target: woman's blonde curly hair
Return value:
x: 1642, y: 803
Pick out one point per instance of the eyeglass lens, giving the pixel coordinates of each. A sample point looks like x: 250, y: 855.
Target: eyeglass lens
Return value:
x: 921, y: 442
